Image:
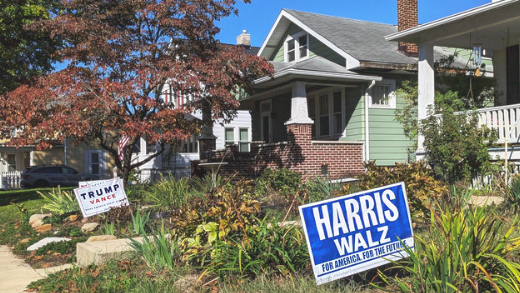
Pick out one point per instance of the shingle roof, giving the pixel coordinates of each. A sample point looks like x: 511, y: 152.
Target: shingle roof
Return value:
x: 363, y: 40
x: 313, y: 64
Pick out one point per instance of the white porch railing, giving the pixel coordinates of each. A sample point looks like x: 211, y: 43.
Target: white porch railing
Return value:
x: 10, y: 180
x: 503, y: 119
x: 152, y: 175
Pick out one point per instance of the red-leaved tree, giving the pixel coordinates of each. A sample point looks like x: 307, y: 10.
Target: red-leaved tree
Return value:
x: 120, y: 54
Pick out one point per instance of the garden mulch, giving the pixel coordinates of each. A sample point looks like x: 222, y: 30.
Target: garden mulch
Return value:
x: 16, y: 274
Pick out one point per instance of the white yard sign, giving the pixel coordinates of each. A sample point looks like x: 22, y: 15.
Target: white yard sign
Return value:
x: 99, y: 196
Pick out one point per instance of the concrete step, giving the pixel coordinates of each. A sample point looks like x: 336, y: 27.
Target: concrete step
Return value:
x: 98, y: 252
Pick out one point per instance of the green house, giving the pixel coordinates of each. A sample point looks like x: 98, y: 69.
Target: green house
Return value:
x: 331, y: 103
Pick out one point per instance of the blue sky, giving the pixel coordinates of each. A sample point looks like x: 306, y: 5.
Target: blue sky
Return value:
x: 258, y: 17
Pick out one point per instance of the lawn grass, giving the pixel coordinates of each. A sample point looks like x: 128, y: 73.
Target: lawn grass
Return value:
x: 27, y: 198
x: 135, y: 276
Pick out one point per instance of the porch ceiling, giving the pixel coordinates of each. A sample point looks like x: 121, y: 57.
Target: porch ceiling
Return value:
x: 490, y: 25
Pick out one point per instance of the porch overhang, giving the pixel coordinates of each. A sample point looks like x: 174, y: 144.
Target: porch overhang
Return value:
x: 486, y: 25
x: 289, y: 75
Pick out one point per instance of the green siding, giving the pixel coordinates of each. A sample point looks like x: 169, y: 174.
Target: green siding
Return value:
x: 355, y: 104
x: 316, y: 48
x: 388, y: 144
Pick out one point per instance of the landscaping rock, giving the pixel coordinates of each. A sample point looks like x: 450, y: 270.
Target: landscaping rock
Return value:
x: 186, y: 283
x: 43, y: 228
x: 101, y: 238
x: 89, y: 227
x: 45, y: 241
x: 36, y: 223
x: 73, y: 218
x: 38, y: 217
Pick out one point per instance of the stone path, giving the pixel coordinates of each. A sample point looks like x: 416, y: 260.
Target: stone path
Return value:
x: 16, y: 274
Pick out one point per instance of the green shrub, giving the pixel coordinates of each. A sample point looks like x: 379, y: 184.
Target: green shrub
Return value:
x: 158, y: 251
x: 223, y: 213
x: 267, y: 250
x: 469, y: 250
x: 141, y: 222
x: 513, y: 198
x: 318, y: 189
x: 422, y: 188
x: 169, y: 193
x: 281, y: 181
x: 70, y: 231
x: 59, y: 201
x: 457, y: 145
x: 209, y: 183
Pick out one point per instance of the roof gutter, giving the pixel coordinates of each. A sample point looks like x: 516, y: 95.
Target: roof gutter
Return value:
x: 306, y: 73
x: 402, y: 35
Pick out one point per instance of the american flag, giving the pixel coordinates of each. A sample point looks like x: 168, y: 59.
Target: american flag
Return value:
x: 123, y: 142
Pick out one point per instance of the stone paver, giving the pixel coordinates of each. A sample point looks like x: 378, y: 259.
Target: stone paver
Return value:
x: 486, y: 200
x: 16, y: 274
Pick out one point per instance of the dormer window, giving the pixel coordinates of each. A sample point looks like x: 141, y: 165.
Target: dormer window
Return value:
x: 297, y: 47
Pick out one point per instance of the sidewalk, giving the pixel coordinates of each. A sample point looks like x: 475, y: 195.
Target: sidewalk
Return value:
x: 16, y: 274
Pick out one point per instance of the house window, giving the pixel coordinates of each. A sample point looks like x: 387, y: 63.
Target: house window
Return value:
x: 243, y: 143
x: 229, y: 136
x: 95, y: 162
x: 382, y: 95
x: 242, y: 140
x: 326, y: 111
x: 297, y: 47
x: 324, y: 115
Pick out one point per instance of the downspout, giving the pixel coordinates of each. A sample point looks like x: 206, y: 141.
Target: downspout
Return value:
x: 367, y: 128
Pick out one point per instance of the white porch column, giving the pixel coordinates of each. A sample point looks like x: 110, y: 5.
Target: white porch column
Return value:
x: 426, y: 82
x: 299, y: 111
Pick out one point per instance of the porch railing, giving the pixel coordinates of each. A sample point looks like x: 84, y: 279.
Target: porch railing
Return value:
x: 10, y: 180
x: 152, y: 175
x: 502, y: 119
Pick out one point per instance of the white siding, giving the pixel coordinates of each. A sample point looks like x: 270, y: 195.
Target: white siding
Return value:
x: 243, y: 120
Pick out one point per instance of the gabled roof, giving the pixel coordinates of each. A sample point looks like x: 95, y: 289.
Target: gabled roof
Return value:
x: 356, y: 40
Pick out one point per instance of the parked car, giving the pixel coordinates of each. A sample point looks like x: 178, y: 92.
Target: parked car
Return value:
x: 52, y: 175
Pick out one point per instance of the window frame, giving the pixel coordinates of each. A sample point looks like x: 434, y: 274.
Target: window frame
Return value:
x: 237, y: 139
x: 297, y: 47
x: 316, y: 116
x: 392, y: 98
x: 226, y: 140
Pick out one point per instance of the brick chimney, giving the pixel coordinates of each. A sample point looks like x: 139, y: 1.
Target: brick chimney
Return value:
x: 407, y: 17
x: 244, y: 39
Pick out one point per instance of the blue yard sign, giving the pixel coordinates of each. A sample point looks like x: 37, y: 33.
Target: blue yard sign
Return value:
x: 353, y: 233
